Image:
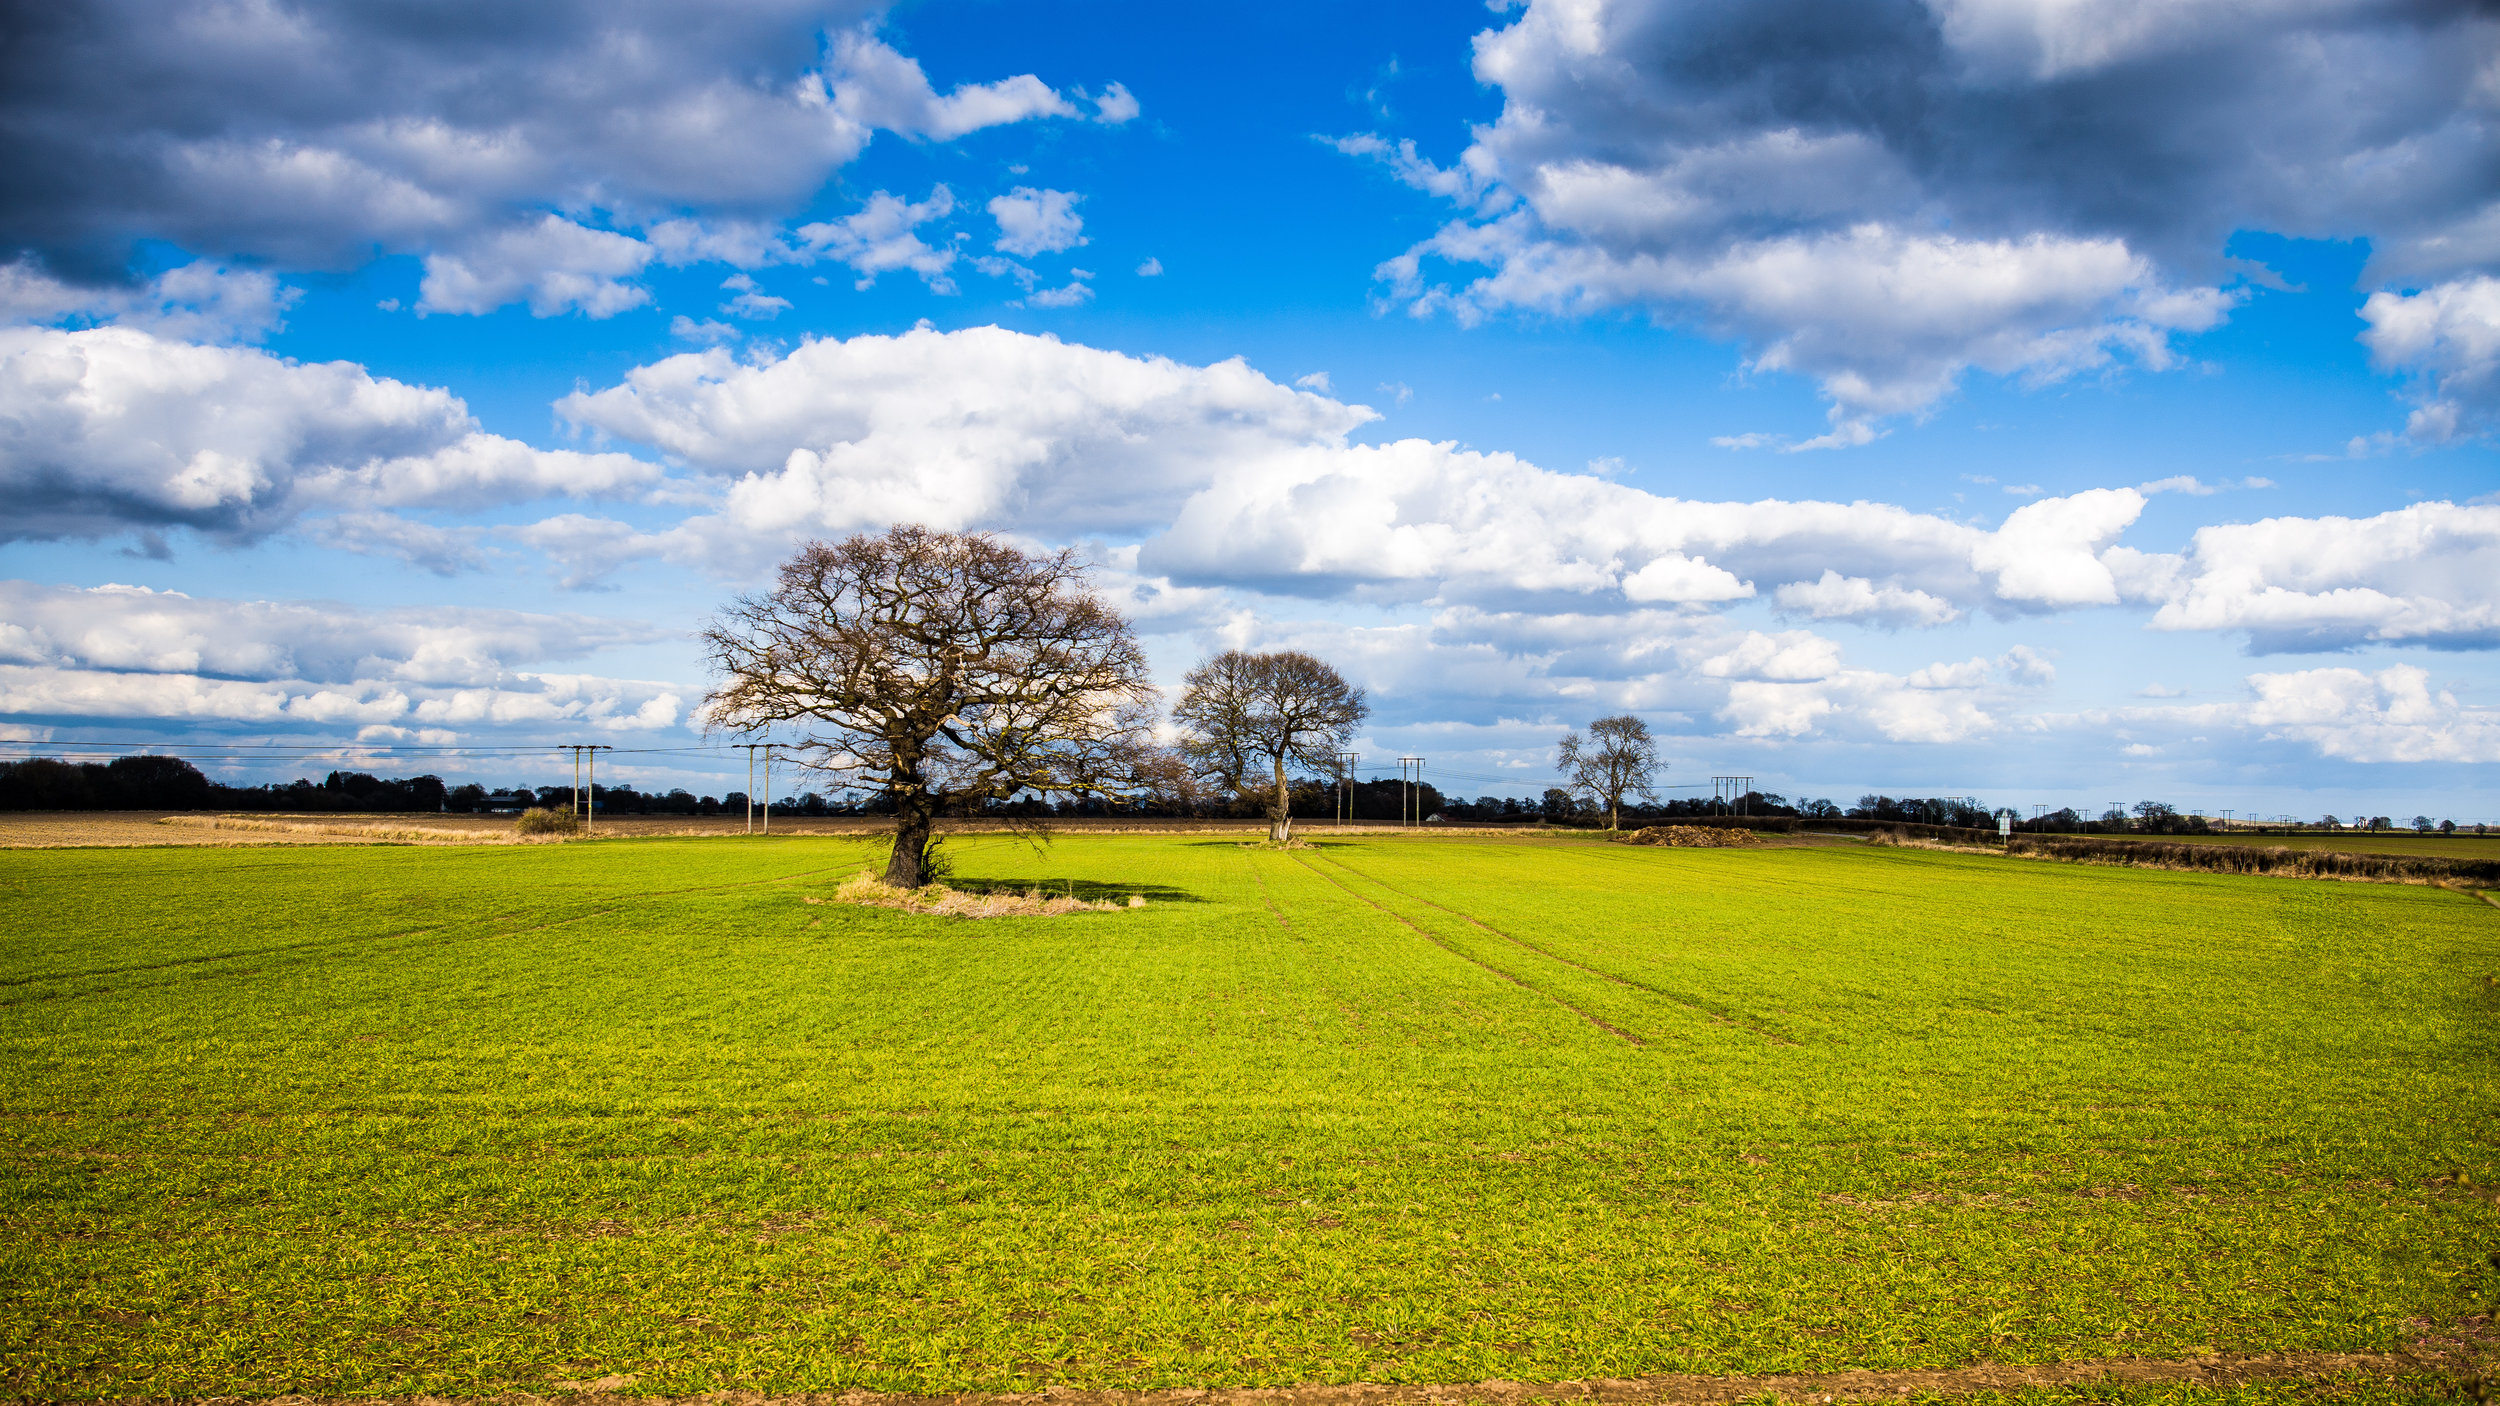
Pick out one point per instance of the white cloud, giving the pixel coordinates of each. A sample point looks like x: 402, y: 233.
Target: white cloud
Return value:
x: 2047, y: 552
x: 1227, y: 476
x: 751, y: 300
x: 557, y: 265
x: 873, y: 87
x: 199, y: 301
x: 2391, y: 716
x: 1067, y: 295
x: 1833, y: 596
x: 445, y: 551
x: 1034, y: 221
x: 1152, y: 268
x: 2448, y: 337
x: 1115, y: 105
x: 526, y: 701
x: 130, y: 630
x: 883, y: 237
x: 982, y: 427
x: 109, y: 429
x: 2427, y: 574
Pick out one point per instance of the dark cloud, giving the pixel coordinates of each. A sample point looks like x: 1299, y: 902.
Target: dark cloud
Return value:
x: 319, y: 132
x: 1882, y: 194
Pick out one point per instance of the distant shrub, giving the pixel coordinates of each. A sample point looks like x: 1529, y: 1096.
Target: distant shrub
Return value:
x: 2249, y: 859
x: 547, y: 822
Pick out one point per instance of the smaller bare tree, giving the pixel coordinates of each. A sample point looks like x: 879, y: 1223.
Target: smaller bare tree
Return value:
x: 1275, y: 713
x: 1618, y: 758
x: 949, y: 669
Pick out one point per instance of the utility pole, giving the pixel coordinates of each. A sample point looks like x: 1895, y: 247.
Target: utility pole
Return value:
x: 1730, y: 790
x: 751, y: 748
x: 1410, y: 778
x: 768, y: 788
x: 585, y: 804
x: 1347, y: 763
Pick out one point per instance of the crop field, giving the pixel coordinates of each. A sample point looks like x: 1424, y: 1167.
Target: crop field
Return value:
x: 464, y: 1121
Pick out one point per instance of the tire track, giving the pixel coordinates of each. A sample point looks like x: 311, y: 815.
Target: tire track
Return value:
x: 1264, y: 895
x: 1703, y: 1008
x: 1617, y: 1031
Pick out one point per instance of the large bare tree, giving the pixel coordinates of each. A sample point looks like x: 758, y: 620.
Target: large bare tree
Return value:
x: 1269, y: 713
x: 949, y: 669
x: 1617, y: 759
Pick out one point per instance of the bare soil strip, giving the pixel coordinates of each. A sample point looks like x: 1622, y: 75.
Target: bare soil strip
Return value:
x: 2215, y: 1372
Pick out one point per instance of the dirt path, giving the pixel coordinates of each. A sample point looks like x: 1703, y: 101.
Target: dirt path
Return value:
x: 2451, y: 1361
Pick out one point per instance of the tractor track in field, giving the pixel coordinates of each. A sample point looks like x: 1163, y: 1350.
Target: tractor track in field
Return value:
x: 1617, y: 1031
x: 1712, y: 1012
x: 1265, y: 896
x: 2214, y: 1373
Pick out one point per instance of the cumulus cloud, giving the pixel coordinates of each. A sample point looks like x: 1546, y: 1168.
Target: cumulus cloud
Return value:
x: 750, y: 300
x: 1034, y: 221
x: 313, y: 134
x: 133, y: 630
x: 1883, y: 196
x: 370, y: 710
x: 201, y: 302
x: 883, y: 237
x: 555, y: 264
x: 978, y: 428
x: 2427, y: 574
x: 110, y: 429
x: 435, y: 674
x: 445, y: 551
x: 2394, y: 715
x: 2448, y: 338
x: 1220, y: 475
x: 872, y: 87
x: 1833, y: 596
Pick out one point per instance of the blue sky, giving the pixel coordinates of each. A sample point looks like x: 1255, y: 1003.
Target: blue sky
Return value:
x: 2057, y: 403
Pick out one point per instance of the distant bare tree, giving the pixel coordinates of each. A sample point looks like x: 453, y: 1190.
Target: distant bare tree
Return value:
x: 1270, y: 712
x: 948, y: 669
x: 1617, y: 759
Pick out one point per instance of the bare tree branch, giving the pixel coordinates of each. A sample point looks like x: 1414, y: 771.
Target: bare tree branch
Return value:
x: 949, y: 669
x: 1618, y: 759
x: 1279, y: 712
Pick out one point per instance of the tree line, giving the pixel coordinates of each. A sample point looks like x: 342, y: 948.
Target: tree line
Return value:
x: 925, y: 674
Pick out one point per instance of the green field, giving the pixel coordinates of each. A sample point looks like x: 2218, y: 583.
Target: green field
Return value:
x: 470, y: 1120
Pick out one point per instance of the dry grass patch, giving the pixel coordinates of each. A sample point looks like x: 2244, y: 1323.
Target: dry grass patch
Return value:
x: 408, y: 834
x: 939, y: 900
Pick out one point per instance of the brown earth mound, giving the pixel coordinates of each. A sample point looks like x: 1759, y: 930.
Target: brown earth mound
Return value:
x: 1693, y: 837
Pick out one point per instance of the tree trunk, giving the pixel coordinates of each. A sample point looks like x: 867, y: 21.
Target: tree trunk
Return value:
x: 1614, y: 813
x: 912, y: 827
x: 1280, y: 809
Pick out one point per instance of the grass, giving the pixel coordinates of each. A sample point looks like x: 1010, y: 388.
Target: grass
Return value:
x: 462, y: 1121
